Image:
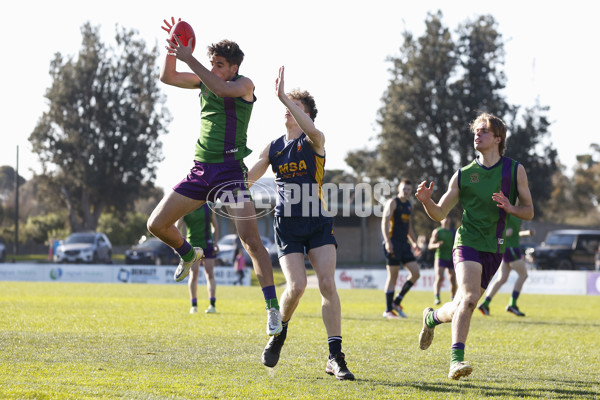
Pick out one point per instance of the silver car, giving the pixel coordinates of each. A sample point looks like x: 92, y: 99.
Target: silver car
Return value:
x: 85, y: 247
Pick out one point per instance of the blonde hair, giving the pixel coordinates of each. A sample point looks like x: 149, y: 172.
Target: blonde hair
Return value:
x: 495, y: 125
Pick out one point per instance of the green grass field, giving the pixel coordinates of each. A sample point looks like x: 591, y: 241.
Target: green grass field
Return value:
x: 88, y: 341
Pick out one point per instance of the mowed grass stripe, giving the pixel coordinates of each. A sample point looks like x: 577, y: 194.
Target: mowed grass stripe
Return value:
x: 89, y: 341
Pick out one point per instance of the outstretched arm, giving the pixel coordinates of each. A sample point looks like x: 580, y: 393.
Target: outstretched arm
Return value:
x: 315, y: 136
x: 438, y: 211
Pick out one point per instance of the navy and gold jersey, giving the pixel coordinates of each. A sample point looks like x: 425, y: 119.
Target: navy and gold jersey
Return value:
x: 299, y: 177
x: 400, y: 221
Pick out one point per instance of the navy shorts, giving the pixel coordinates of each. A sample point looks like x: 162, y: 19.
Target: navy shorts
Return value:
x: 402, y: 254
x: 512, y: 254
x: 209, y: 182
x: 301, y: 234
x: 489, y: 261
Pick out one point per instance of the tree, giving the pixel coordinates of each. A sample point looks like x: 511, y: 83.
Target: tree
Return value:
x: 529, y: 143
x: 99, y: 140
x: 439, y: 83
x: 586, y: 182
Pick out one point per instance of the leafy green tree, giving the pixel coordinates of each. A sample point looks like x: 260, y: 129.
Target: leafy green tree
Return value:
x: 439, y: 83
x: 100, y: 135
x: 586, y: 182
x: 40, y: 228
x: 529, y: 143
x: 126, y: 229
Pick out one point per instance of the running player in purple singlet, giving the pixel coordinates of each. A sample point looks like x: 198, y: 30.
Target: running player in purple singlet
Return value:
x: 487, y: 190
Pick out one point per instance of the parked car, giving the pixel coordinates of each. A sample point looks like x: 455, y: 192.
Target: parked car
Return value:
x: 86, y: 247
x: 2, y: 251
x: 227, y: 245
x: 151, y: 251
x: 569, y: 249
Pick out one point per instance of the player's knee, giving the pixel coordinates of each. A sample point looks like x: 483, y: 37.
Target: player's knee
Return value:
x: 414, y: 276
x: 327, y: 285
x: 470, y: 301
x: 296, y: 289
x: 253, y: 245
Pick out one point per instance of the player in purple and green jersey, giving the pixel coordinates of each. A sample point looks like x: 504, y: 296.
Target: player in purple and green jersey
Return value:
x: 301, y: 224
x: 487, y: 190
x: 226, y: 101
x: 512, y: 260
x: 202, y: 231
x: 442, y: 241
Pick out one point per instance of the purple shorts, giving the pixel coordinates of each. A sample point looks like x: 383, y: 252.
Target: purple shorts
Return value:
x: 209, y: 251
x: 209, y: 182
x: 445, y: 263
x: 511, y: 254
x: 489, y: 261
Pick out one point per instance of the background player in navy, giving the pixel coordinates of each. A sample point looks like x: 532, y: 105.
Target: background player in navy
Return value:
x: 298, y: 161
x: 398, y: 245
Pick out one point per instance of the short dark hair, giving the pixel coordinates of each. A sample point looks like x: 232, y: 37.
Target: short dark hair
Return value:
x: 227, y: 49
x: 307, y: 100
x: 406, y: 181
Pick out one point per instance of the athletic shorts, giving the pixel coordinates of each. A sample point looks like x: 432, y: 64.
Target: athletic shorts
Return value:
x: 301, y: 234
x: 209, y: 182
x: 511, y: 254
x: 209, y: 251
x: 402, y: 254
x: 489, y: 261
x: 445, y: 263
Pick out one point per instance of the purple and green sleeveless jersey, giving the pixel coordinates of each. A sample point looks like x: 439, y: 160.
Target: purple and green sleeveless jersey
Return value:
x: 299, y: 175
x: 223, y: 127
x: 483, y: 222
x: 199, y: 232
x: 444, y: 252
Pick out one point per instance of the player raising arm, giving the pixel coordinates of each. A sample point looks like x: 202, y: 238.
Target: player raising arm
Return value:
x: 226, y: 100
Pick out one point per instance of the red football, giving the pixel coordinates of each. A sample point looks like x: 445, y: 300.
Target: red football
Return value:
x: 184, y: 33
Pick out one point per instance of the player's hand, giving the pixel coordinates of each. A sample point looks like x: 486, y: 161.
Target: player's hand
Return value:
x: 502, y: 201
x: 177, y: 49
x: 279, y: 84
x: 216, y: 248
x: 417, y: 251
x: 389, y: 247
x: 509, y: 232
x: 424, y: 192
x: 168, y: 25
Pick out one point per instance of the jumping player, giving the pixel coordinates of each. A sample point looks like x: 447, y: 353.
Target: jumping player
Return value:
x: 398, y: 245
x: 512, y: 260
x: 487, y: 189
x: 298, y: 161
x: 226, y: 100
x: 202, y: 231
x: 442, y: 240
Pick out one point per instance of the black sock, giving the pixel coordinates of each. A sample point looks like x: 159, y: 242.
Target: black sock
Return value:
x: 388, y: 300
x: 405, y: 288
x: 335, y: 345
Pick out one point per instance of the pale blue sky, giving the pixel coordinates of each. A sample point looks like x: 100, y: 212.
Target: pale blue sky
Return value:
x: 336, y: 50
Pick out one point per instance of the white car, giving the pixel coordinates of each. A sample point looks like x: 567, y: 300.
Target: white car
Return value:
x: 227, y: 245
x: 85, y: 247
